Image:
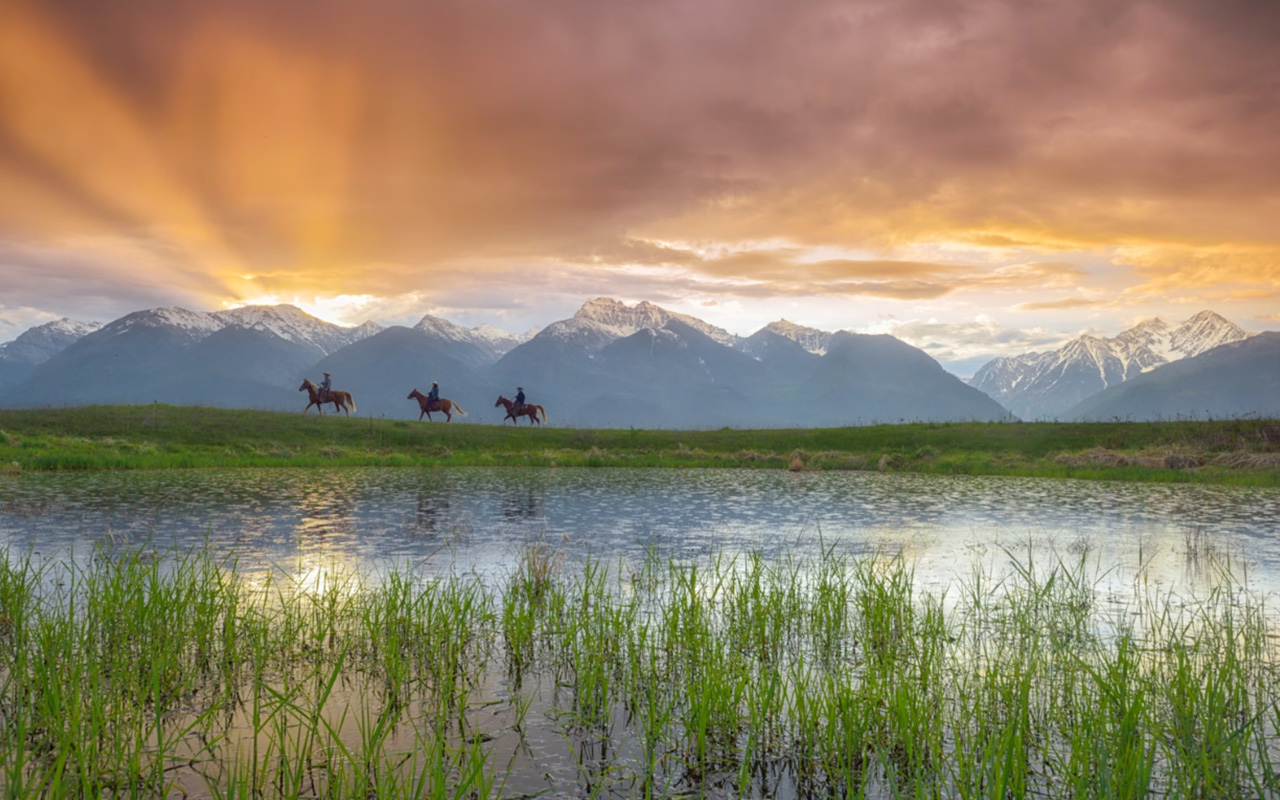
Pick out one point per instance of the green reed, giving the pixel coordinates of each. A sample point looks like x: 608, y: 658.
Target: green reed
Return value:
x: 735, y: 676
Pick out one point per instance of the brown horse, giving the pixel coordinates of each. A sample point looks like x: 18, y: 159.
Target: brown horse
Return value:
x: 340, y: 400
x: 531, y: 411
x: 442, y: 405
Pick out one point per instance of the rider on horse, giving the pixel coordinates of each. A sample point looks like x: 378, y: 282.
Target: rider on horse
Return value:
x: 326, y: 389
x: 433, y: 396
x: 519, y: 406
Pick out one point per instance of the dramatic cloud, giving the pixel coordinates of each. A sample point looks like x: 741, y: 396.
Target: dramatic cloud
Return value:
x: 515, y: 154
x: 957, y: 341
x: 1066, y: 302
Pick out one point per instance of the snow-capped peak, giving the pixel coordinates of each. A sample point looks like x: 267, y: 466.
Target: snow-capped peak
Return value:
x: 1204, y: 331
x: 295, y: 325
x: 40, y: 343
x: 67, y: 327
x: 1035, y: 385
x: 491, y: 339
x: 196, y: 323
x: 365, y: 329
x: 626, y: 320
x: 603, y: 319
x: 811, y: 339
x: 502, y: 338
x: 443, y: 328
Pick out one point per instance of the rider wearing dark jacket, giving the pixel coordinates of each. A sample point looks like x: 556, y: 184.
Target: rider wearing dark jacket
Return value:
x: 325, y: 388
x: 519, y: 406
x: 433, y: 396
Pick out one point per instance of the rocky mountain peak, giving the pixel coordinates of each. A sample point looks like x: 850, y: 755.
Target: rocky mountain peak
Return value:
x: 295, y: 325
x: 1204, y: 331
x: 40, y: 343
x: 811, y: 339
x: 493, y: 341
x: 603, y: 319
x: 617, y: 314
x: 1036, y: 385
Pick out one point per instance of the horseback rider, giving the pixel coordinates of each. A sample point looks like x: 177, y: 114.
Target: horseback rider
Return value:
x: 433, y: 396
x: 326, y: 389
x: 519, y: 405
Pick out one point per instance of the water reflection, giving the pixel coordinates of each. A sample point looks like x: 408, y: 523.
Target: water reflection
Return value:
x: 432, y: 516
x: 524, y: 504
x: 479, y: 519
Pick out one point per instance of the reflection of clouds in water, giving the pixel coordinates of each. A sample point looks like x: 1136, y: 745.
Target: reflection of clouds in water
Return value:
x: 464, y: 519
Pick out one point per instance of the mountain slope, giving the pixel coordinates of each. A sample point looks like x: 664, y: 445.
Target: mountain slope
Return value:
x: 34, y: 346
x: 176, y: 355
x: 381, y: 370
x: 118, y: 363
x: 477, y: 347
x: 1230, y: 380
x: 866, y: 379
x: 1041, y: 385
x: 236, y: 367
x: 674, y: 376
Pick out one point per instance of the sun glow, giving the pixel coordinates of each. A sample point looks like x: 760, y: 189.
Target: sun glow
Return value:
x: 345, y: 309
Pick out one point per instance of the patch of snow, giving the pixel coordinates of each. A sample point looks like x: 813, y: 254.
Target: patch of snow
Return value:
x: 811, y: 339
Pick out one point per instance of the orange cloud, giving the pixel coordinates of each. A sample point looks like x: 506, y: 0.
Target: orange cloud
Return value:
x: 387, y: 148
x: 1066, y: 302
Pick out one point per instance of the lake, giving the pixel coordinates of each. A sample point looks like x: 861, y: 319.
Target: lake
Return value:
x: 753, y: 633
x: 478, y: 520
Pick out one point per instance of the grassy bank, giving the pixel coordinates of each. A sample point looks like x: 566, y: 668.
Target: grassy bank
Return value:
x: 733, y: 677
x: 1245, y: 452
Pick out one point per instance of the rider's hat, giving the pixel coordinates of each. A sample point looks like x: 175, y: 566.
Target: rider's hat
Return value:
x: 326, y: 373
x: 433, y: 383
x: 519, y: 388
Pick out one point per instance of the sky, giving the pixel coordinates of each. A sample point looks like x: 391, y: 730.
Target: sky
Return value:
x: 978, y: 178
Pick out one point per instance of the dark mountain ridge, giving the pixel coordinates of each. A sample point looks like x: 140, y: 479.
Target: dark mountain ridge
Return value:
x: 609, y: 365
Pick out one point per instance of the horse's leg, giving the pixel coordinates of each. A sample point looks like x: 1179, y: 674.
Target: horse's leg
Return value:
x: 420, y: 413
x: 447, y: 416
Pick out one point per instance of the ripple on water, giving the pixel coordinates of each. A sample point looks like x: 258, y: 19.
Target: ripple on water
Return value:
x: 477, y: 519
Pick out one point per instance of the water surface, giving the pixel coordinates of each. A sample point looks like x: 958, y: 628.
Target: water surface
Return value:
x: 479, y: 519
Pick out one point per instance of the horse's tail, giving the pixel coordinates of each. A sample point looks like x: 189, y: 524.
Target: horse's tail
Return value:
x: 544, y: 414
x: 352, y: 401
x: 458, y: 408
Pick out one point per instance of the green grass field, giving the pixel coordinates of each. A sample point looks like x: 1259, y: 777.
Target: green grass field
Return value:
x: 1242, y: 452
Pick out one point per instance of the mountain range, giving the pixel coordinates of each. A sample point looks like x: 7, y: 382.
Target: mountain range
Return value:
x: 1047, y: 385
x: 19, y: 358
x: 1240, y: 378
x: 609, y: 364
x: 613, y: 364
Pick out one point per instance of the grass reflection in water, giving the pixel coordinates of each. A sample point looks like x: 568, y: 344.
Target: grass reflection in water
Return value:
x: 726, y: 678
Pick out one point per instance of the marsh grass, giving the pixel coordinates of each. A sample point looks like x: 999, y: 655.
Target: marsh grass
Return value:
x: 732, y: 676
